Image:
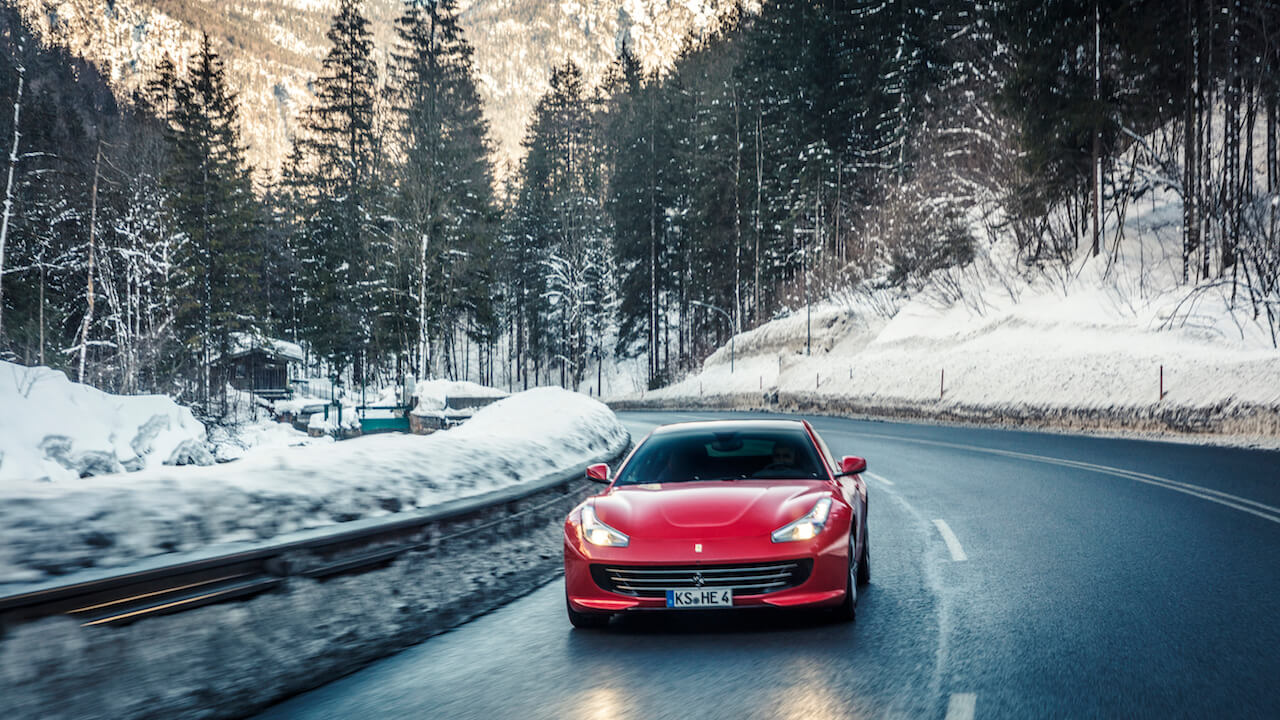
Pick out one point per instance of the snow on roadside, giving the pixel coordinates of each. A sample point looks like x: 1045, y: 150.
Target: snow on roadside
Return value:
x: 55, y: 429
x: 1088, y: 339
x: 50, y: 529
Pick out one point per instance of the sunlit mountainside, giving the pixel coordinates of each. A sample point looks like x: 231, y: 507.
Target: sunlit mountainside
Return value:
x: 273, y: 48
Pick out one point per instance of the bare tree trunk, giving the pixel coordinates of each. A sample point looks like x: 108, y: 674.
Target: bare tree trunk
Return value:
x: 1095, y: 167
x: 88, y: 288
x: 737, y: 216
x: 653, y: 244
x: 839, y: 250
x: 1190, y: 147
x: 1205, y: 127
x: 1232, y: 211
x: 42, y: 273
x: 1271, y: 142
x: 424, y: 344
x: 8, y: 197
x: 755, y: 303
x: 1273, y: 178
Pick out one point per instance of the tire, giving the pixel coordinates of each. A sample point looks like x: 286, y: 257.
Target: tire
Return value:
x: 586, y: 621
x: 847, y: 610
x: 864, y: 565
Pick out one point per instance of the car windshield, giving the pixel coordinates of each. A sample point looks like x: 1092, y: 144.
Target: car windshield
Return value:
x: 723, y: 455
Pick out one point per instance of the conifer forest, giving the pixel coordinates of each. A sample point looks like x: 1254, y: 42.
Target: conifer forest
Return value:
x: 809, y: 150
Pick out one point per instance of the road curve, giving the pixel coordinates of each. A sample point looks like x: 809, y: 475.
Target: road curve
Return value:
x: 1014, y: 574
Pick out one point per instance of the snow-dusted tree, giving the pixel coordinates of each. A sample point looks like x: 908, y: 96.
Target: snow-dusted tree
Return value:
x: 444, y: 189
x: 134, y: 278
x: 565, y: 225
x: 216, y: 212
x: 342, y: 225
x: 635, y: 204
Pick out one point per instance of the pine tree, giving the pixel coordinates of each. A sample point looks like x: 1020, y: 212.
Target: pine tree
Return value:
x: 342, y: 223
x: 445, y: 187
x: 215, y: 272
x: 633, y: 204
x: 561, y: 226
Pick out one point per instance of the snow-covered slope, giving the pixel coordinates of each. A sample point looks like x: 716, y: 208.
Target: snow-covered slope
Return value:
x: 1078, y: 345
x: 54, y: 528
x: 273, y: 48
x: 55, y: 429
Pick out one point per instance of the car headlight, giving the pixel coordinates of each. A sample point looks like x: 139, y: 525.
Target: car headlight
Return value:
x: 597, y: 533
x: 807, y: 527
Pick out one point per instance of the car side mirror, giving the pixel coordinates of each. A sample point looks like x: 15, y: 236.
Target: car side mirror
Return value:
x: 852, y: 465
x: 598, y: 473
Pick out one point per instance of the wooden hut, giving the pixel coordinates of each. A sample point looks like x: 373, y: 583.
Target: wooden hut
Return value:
x: 259, y: 365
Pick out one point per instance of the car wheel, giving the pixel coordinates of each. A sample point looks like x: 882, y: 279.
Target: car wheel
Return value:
x: 864, y: 565
x: 847, y: 610
x: 586, y: 621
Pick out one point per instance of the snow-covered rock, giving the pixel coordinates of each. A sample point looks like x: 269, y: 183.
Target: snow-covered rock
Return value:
x: 54, y: 528
x: 433, y: 395
x: 55, y: 429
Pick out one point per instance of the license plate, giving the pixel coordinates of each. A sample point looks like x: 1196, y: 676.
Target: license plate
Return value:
x: 720, y: 597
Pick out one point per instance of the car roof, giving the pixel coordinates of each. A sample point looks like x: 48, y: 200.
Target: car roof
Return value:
x: 702, y: 426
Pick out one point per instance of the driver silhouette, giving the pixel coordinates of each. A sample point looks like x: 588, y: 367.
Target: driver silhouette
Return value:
x: 784, y: 456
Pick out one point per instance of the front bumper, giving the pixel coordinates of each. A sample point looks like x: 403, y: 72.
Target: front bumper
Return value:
x: 825, y: 585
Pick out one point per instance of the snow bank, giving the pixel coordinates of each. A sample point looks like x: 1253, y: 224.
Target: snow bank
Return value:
x: 434, y: 394
x: 55, y: 429
x: 1087, y: 340
x: 54, y: 528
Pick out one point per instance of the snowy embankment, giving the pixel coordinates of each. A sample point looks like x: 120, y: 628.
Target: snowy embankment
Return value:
x: 51, y: 528
x: 57, y: 430
x: 1076, y: 347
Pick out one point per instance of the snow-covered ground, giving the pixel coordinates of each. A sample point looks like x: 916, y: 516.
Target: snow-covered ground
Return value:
x: 249, y: 426
x: 992, y: 340
x: 57, y: 430
x: 53, y: 528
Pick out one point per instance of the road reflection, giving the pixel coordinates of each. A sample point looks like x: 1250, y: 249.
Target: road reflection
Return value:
x: 600, y: 703
x: 810, y: 695
x: 647, y: 662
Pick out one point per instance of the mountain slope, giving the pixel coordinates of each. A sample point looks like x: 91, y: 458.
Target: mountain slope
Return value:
x: 273, y: 48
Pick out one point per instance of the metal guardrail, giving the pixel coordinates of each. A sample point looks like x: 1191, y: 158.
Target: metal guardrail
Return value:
x: 169, y: 584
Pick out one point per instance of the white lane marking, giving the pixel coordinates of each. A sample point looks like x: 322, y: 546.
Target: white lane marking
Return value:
x: 953, y: 542
x: 882, y: 479
x: 1262, y: 510
x: 961, y: 706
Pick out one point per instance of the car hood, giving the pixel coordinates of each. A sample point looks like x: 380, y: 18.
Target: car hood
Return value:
x: 707, y: 509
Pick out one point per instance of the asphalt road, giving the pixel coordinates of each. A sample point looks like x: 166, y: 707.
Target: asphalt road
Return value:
x: 1084, y: 577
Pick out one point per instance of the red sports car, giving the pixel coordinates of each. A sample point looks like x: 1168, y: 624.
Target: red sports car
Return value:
x: 723, y: 514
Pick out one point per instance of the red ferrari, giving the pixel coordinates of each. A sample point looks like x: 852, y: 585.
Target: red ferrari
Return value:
x: 723, y: 514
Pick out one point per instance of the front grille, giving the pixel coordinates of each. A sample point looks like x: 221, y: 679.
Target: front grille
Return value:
x: 648, y: 581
